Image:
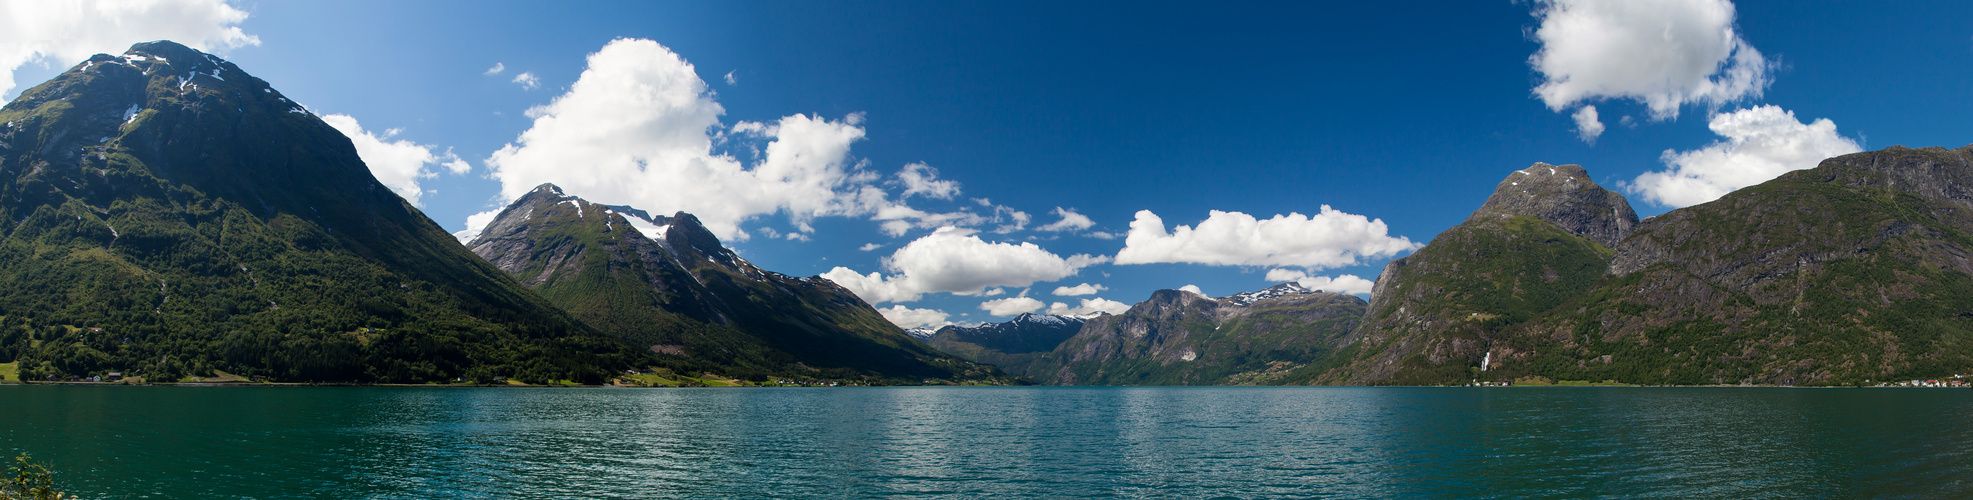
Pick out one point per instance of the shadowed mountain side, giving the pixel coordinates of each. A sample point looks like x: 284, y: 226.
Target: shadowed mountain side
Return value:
x: 1011, y: 345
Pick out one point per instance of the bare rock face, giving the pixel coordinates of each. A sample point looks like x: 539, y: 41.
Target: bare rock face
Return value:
x: 1564, y: 196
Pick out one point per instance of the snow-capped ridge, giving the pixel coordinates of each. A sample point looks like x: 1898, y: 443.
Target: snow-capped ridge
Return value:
x: 1281, y: 290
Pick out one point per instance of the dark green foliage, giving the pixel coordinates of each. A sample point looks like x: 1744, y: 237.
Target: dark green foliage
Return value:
x: 1885, y: 313
x: 29, y: 480
x: 1473, y: 281
x: 217, y: 230
x: 1851, y: 273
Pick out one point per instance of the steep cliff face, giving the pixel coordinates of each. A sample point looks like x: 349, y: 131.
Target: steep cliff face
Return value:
x: 1182, y: 338
x: 669, y: 284
x: 195, y: 220
x: 1542, y: 238
x: 1855, y: 270
x: 1011, y: 345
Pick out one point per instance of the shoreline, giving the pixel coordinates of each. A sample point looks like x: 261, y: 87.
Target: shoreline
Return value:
x: 524, y: 386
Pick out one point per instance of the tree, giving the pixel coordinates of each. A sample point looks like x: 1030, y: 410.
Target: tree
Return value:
x: 29, y: 480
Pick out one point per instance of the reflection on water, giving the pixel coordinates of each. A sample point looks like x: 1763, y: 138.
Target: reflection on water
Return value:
x: 181, y: 442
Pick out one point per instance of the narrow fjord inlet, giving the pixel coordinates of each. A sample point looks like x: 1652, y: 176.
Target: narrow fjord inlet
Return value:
x: 858, y: 249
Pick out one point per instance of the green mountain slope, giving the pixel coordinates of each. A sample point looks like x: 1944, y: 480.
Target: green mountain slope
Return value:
x: 1541, y: 239
x: 1853, y: 272
x: 171, y: 215
x: 1282, y: 335
x: 668, y: 283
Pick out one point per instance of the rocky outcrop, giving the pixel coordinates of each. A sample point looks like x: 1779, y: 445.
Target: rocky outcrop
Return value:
x: 1565, y: 196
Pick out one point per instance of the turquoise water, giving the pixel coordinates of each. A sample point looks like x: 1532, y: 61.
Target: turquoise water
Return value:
x: 288, y: 442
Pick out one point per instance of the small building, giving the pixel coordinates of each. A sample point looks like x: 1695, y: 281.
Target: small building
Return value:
x: 113, y: 376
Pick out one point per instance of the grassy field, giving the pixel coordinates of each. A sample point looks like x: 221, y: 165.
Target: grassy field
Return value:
x: 10, y: 372
x: 675, y: 380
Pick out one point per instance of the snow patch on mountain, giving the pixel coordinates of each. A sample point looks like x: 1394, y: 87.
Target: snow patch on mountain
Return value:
x: 1284, y: 289
x: 649, y: 230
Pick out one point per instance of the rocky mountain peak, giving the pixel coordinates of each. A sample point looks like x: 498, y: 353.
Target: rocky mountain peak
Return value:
x: 1565, y: 196
x: 1280, y: 290
x: 1043, y: 319
x: 547, y: 189
x: 1933, y: 173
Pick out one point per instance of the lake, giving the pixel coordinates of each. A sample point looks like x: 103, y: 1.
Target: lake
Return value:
x: 109, y: 442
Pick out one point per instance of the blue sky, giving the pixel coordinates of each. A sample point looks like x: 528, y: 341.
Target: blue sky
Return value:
x: 1407, y: 114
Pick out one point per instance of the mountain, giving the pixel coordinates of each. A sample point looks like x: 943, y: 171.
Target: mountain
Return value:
x: 668, y: 284
x: 1282, y: 335
x: 1011, y: 345
x: 1543, y: 238
x: 1855, y: 271
x: 172, y: 215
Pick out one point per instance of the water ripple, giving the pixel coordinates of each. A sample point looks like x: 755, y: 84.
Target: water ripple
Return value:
x: 164, y: 442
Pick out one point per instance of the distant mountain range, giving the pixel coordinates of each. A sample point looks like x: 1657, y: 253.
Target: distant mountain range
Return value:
x: 667, y: 283
x: 1011, y: 345
x: 1279, y: 335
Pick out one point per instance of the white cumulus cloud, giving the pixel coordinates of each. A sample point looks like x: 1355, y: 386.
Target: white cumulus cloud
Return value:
x: 1663, y: 53
x: 528, y: 81
x: 1071, y: 221
x: 1587, y: 126
x: 1078, y: 290
x: 1011, y: 306
x: 1761, y: 143
x: 496, y: 69
x: 922, y: 180
x: 731, y: 79
x: 905, y: 317
x: 476, y: 223
x: 1331, y: 238
x: 1348, y: 283
x: 398, y: 164
x: 1089, y: 307
x: 66, y: 32
x: 953, y: 260
x: 1194, y: 289
x: 638, y: 128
